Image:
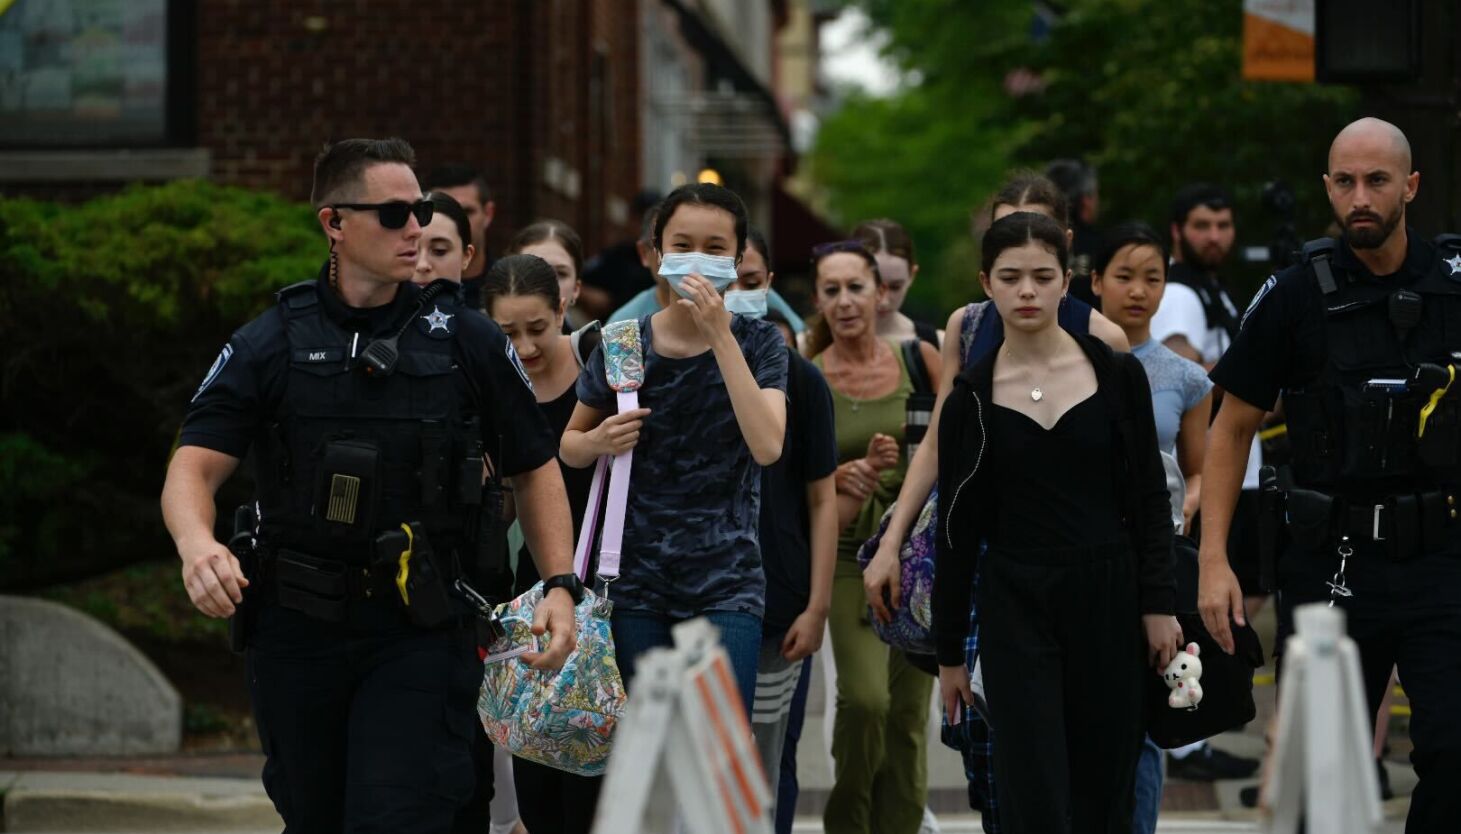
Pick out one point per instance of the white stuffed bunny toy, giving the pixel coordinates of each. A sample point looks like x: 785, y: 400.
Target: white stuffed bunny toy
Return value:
x: 1183, y: 676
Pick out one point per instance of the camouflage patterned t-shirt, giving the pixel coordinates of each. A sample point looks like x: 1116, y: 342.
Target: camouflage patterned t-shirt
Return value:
x: 690, y: 530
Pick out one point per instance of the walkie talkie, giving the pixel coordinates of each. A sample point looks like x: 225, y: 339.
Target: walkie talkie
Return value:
x: 380, y: 356
x: 1405, y: 311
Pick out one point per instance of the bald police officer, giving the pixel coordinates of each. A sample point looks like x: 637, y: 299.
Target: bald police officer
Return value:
x: 1362, y: 342
x: 368, y: 403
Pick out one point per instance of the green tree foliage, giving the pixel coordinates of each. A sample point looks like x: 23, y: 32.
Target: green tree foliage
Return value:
x: 1150, y: 91
x: 110, y: 313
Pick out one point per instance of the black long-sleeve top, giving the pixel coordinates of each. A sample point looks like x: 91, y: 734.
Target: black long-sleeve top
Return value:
x: 968, y: 496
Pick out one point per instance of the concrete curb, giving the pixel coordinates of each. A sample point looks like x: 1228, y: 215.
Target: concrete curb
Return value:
x: 36, y: 802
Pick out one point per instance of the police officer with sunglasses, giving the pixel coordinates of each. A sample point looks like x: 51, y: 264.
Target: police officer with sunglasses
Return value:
x: 372, y: 408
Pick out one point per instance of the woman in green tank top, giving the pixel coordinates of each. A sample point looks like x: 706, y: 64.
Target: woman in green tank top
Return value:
x: 879, y: 735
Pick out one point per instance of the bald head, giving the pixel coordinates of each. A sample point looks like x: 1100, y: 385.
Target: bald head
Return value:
x: 1375, y: 139
x: 1370, y: 182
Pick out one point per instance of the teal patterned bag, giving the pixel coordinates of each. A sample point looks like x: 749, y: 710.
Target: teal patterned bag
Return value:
x: 566, y: 719
x: 562, y: 719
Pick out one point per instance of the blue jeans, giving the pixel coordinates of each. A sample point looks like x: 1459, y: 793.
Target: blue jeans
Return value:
x: 636, y: 632
x: 1148, y: 788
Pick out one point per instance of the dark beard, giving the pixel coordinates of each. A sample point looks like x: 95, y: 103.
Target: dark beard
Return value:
x: 1372, y: 237
x: 1195, y: 259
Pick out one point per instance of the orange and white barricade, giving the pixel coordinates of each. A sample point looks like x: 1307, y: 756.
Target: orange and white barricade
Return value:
x: 684, y: 758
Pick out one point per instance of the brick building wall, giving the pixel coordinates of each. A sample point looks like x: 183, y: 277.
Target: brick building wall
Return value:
x: 501, y: 84
x: 542, y: 95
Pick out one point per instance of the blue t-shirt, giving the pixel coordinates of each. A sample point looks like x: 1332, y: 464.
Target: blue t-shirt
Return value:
x: 1177, y: 383
x: 691, y: 540
x: 645, y: 304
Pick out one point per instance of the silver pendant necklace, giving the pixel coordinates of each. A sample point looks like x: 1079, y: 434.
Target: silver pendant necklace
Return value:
x: 1035, y: 393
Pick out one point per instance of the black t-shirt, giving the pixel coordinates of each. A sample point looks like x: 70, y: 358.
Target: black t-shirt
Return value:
x: 576, y: 481
x: 243, y: 391
x: 1282, y: 341
x: 809, y: 453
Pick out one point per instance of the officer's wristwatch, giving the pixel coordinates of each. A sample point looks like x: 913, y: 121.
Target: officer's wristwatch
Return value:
x: 568, y: 582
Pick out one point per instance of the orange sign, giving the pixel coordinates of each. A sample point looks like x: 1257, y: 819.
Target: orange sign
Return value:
x: 1278, y: 40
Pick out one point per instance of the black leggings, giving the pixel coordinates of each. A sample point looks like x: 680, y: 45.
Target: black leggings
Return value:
x: 1063, y: 652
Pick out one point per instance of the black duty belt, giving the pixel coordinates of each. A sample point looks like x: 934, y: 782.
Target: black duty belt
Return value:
x: 1390, y: 518
x: 324, y: 588
x: 1404, y: 525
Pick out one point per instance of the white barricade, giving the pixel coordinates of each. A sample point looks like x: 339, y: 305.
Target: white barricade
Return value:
x: 684, y: 758
x: 1323, y: 766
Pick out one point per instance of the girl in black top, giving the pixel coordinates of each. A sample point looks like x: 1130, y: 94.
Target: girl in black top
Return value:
x: 1048, y: 454
x: 521, y: 294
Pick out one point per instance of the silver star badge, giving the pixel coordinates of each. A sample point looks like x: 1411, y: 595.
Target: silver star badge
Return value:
x: 437, y: 319
x: 1455, y: 264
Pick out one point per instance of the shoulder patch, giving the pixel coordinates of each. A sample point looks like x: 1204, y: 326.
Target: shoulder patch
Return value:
x: 517, y: 364
x: 438, y: 324
x: 1258, y: 298
x: 217, y: 368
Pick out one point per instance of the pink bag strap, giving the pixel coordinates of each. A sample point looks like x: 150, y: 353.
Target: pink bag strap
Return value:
x: 590, y: 523
x: 609, y: 547
x: 624, y: 370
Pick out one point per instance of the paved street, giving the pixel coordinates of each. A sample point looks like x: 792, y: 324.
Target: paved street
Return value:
x: 221, y: 793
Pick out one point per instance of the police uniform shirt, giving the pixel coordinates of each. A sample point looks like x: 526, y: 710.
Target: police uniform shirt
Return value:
x: 244, y: 389
x: 1282, y: 342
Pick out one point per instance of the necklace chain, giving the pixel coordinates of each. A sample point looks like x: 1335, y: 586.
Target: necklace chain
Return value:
x: 857, y: 401
x: 1036, y: 393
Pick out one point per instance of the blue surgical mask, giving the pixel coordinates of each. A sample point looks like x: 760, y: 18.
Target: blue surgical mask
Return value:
x: 719, y: 270
x: 749, y: 303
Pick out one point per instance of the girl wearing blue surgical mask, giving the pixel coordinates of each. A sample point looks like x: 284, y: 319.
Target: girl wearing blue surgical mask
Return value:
x: 713, y: 413
x: 879, y: 733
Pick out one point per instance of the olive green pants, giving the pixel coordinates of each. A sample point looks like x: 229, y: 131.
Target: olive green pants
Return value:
x: 881, y: 729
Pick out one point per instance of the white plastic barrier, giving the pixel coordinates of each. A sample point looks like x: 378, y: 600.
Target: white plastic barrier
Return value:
x: 684, y: 747
x: 1323, y: 766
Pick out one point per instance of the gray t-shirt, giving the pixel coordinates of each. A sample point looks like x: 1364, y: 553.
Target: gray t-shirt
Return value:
x: 1177, y: 383
x: 691, y: 527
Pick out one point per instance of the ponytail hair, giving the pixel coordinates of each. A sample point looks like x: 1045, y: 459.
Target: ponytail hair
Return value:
x: 1028, y: 188
x: 886, y: 236
x: 521, y: 275
x: 552, y: 230
x: 1016, y: 230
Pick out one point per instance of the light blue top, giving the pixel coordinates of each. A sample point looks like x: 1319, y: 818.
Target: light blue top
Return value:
x: 1177, y: 384
x: 644, y: 304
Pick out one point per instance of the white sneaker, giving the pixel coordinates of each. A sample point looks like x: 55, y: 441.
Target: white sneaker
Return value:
x: 929, y: 824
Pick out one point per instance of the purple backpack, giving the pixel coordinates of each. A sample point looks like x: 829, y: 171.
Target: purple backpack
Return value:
x: 912, y: 627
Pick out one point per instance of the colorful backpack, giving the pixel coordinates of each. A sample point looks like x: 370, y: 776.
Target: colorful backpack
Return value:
x: 912, y: 627
x: 566, y: 719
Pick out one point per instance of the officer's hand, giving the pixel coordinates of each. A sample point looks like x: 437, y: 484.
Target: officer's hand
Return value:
x: 705, y: 306
x: 213, y: 577
x: 554, y: 617
x: 619, y: 432
x: 1218, y: 598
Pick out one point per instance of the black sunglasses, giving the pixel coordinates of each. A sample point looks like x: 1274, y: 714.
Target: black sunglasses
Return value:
x: 393, y: 215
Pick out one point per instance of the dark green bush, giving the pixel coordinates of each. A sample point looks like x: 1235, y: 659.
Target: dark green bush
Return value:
x: 110, y: 313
